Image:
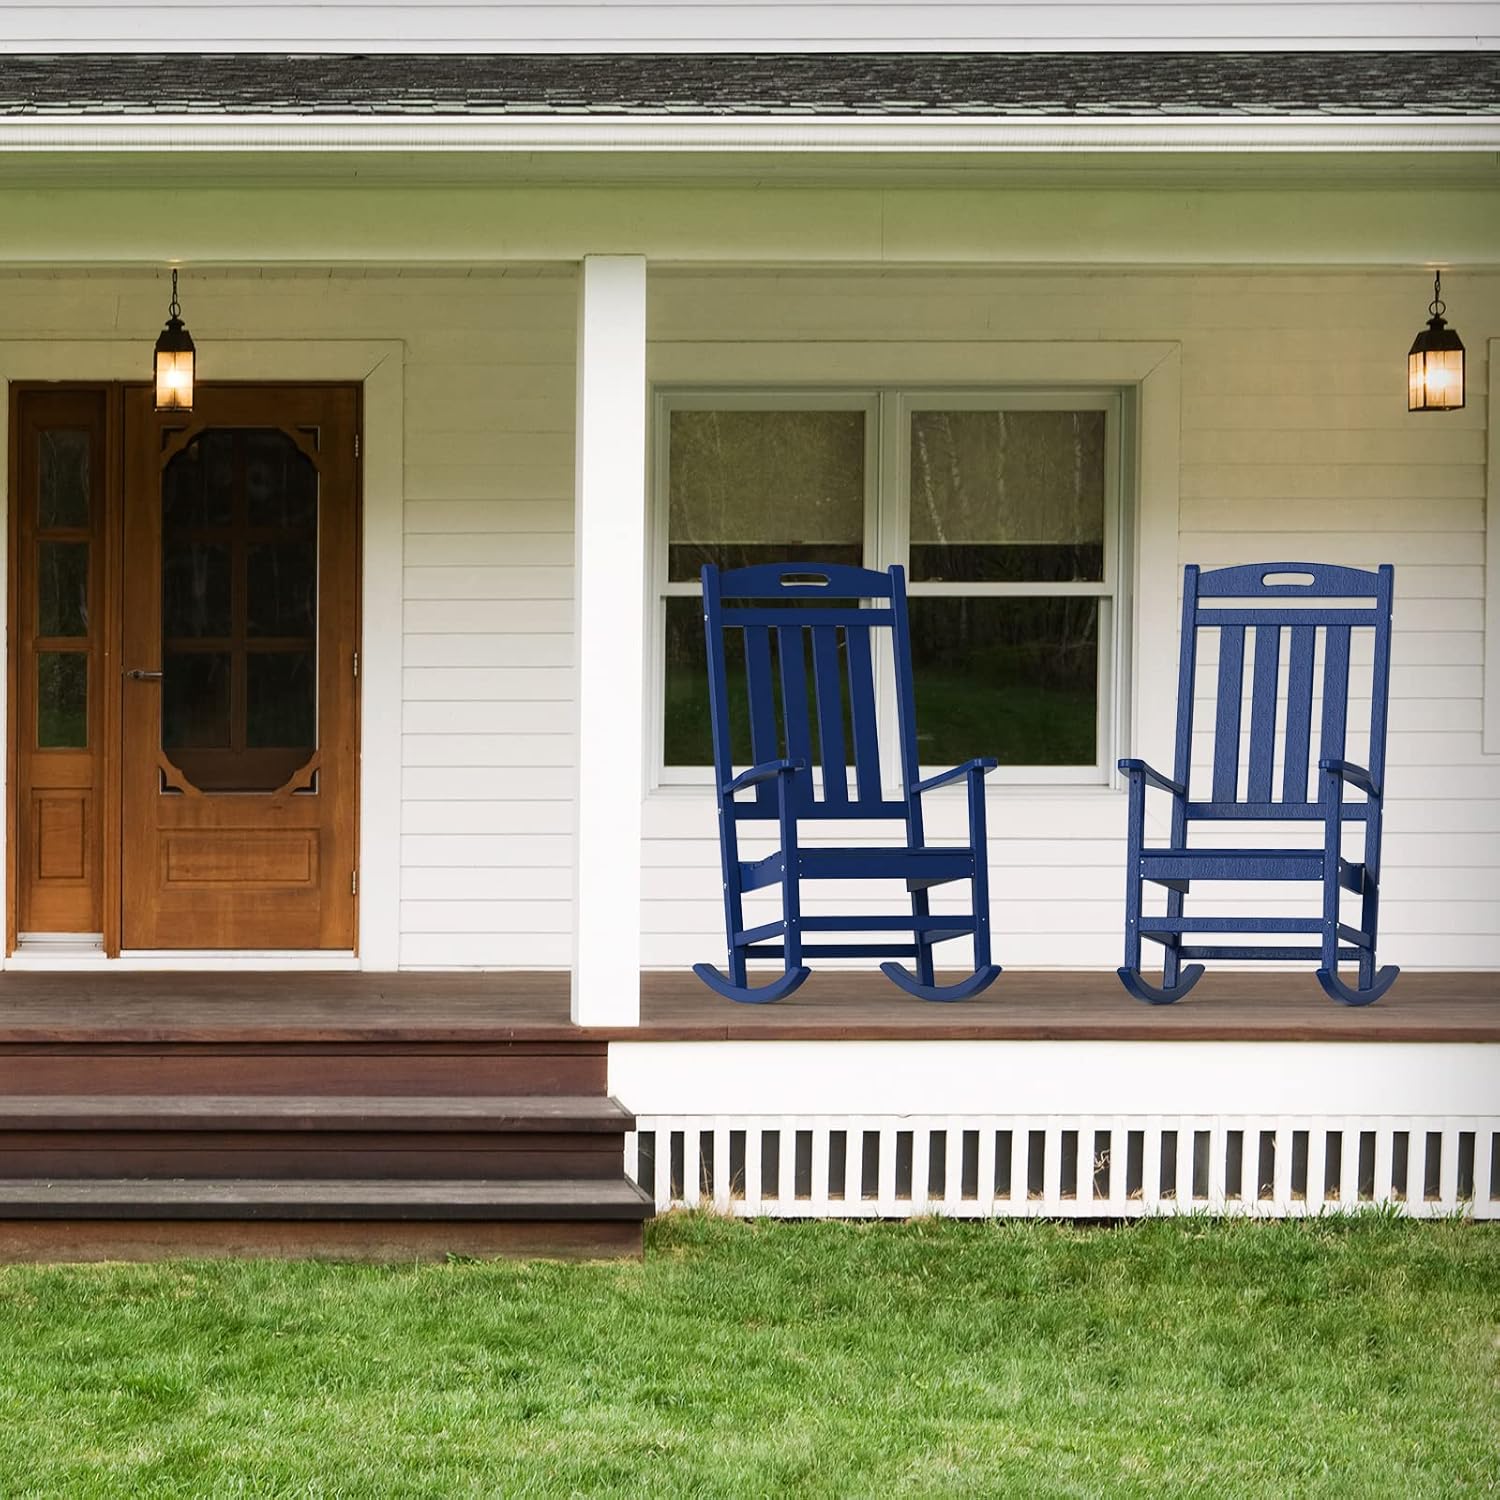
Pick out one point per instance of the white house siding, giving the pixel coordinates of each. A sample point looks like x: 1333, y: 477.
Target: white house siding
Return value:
x: 742, y: 25
x: 1271, y: 466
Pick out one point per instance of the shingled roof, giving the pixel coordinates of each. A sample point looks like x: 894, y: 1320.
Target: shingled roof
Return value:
x: 887, y: 85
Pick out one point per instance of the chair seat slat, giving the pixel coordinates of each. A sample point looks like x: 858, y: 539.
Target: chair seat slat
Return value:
x: 930, y: 866
x: 1231, y: 924
x: 1232, y: 864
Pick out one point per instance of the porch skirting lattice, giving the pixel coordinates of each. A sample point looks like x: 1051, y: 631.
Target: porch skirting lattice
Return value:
x: 1069, y: 1167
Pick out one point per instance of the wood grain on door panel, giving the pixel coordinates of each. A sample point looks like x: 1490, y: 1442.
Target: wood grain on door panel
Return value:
x: 59, y: 598
x: 239, y: 733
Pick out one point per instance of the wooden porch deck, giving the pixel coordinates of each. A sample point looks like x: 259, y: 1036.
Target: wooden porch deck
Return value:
x: 835, y: 1005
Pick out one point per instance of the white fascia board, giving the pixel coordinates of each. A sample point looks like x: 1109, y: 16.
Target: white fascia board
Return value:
x: 677, y: 133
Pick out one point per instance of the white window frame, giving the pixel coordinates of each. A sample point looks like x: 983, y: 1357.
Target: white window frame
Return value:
x: 887, y: 498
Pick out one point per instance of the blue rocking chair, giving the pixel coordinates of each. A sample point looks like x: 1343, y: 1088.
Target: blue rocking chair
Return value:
x: 811, y: 611
x: 1239, y: 603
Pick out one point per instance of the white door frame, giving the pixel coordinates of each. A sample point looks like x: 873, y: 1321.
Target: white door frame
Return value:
x: 376, y: 365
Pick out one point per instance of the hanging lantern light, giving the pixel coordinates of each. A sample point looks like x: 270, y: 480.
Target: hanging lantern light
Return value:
x: 1435, y: 365
x: 175, y: 356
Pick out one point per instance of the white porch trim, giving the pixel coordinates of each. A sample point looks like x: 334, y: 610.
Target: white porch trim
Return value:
x: 376, y: 363
x: 1056, y: 1077
x: 610, y: 633
x: 676, y: 133
x: 1491, y: 708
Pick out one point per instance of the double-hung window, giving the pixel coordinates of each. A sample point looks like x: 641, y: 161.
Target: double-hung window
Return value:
x: 1005, y: 507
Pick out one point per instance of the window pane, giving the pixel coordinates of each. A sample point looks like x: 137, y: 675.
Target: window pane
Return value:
x: 281, y: 704
x: 689, y: 735
x: 195, y: 700
x: 194, y: 589
x: 62, y: 588
x: 62, y: 700
x: 1013, y: 678
x: 63, y: 471
x: 1007, y: 496
x: 765, y: 486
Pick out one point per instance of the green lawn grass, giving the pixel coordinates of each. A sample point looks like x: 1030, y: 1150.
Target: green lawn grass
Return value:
x: 1349, y: 1358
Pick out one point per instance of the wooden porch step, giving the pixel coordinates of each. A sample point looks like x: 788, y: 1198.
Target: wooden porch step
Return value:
x: 341, y: 1199
x: 339, y: 1218
x: 522, y: 1114
x: 303, y: 1137
x: 65, y: 1060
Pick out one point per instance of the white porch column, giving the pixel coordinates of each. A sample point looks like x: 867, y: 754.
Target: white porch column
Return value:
x: 609, y: 518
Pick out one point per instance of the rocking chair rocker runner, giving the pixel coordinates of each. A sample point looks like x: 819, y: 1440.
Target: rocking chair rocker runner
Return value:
x: 1236, y: 603
x: 812, y: 611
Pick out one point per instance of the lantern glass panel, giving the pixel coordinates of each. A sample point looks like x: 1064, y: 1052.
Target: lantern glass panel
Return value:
x: 174, y: 380
x: 1435, y: 380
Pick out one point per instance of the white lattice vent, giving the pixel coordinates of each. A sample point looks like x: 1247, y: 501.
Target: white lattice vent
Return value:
x: 894, y: 1166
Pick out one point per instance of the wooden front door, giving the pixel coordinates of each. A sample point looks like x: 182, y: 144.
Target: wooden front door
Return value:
x: 238, y: 693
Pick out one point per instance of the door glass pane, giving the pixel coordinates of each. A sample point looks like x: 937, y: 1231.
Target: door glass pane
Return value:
x: 240, y: 570
x: 1013, y: 678
x: 195, y: 700
x: 1007, y: 496
x: 765, y: 486
x: 63, y: 471
x: 197, y: 487
x: 62, y: 700
x: 62, y: 588
x: 282, y: 589
x: 282, y: 707
x: 281, y: 486
x: 195, y: 589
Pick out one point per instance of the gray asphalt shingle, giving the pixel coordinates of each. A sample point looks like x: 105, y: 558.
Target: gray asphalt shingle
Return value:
x: 896, y: 85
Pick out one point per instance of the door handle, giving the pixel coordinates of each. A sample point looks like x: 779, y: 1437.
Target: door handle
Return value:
x: 140, y: 674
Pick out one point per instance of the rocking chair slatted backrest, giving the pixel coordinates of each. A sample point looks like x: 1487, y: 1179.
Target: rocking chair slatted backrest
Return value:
x: 809, y: 681
x: 1262, y: 626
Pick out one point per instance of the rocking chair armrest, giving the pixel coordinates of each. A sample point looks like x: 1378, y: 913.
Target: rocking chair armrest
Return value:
x: 1153, y: 777
x: 763, y: 772
x: 1356, y: 776
x: 981, y: 765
